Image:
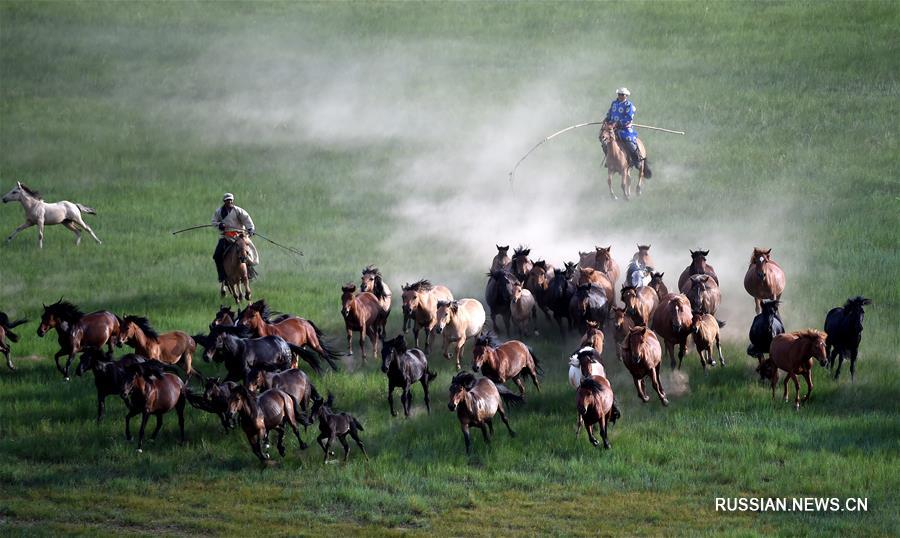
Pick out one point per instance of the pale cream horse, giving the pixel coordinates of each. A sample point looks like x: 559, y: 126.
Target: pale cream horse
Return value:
x: 38, y: 213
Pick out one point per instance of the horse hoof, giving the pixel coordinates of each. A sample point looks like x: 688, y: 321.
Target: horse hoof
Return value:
x: 140, y: 451
x: 645, y: 399
x: 613, y: 196
x: 665, y: 402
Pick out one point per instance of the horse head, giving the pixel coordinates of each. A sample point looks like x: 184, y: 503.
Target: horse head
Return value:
x: 485, y: 349
x: 461, y: 384
x: 347, y: 298
x: 390, y: 349
x: 569, y: 269
x: 445, y: 312
x: 680, y: 313
x: 759, y: 259
x: 854, y: 310
x: 603, y: 257
x: 369, y: 276
x: 698, y: 260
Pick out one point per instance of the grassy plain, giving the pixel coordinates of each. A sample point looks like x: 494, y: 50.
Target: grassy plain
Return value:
x: 356, y: 131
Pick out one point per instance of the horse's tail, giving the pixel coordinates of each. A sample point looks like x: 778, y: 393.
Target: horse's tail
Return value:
x: 507, y: 395
x: 308, y: 356
x: 647, y: 172
x: 537, y: 365
x: 316, y: 329
x: 614, y: 413
x: 356, y: 423
x: 86, y: 209
x: 13, y: 337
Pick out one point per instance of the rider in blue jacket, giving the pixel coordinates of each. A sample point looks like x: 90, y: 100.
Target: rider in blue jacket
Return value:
x: 621, y: 114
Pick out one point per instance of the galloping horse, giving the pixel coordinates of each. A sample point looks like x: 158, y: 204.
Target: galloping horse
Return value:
x: 698, y: 266
x: 642, y: 256
x: 589, y: 304
x: 476, y: 401
x: 622, y: 323
x: 77, y: 331
x: 520, y: 265
x: 589, y: 275
x: 174, y: 347
x: 538, y: 283
x: 596, y: 404
x: 703, y: 293
x: 604, y: 262
x: 642, y: 355
x: 794, y: 353
x: 559, y: 294
x: 523, y: 309
x: 501, y: 260
x: 457, y: 321
x: 420, y: 301
x: 236, y: 262
x: 705, y: 330
x: 362, y: 313
x: 270, y: 411
x: 372, y: 281
x: 498, y: 295
x: 764, y: 278
x: 336, y: 426
x: 404, y: 367
x: 672, y: 321
x: 766, y: 326
x: 844, y: 327
x: 640, y: 303
x: 39, y: 213
x: 583, y: 364
x: 6, y: 328
x: 502, y: 362
x: 155, y: 394
x: 656, y: 282
x: 617, y: 162
x: 297, y: 331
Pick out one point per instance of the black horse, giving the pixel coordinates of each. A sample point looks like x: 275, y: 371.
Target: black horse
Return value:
x: 215, y: 400
x: 766, y: 326
x: 498, y: 294
x: 109, y: 375
x: 844, y: 327
x: 559, y: 293
x: 403, y: 368
x: 335, y: 426
x: 232, y: 346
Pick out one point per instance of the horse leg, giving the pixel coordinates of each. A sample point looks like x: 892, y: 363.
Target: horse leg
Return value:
x: 74, y: 229
x: 391, y: 398
x: 69, y: 360
x: 484, y: 433
x: 80, y: 221
x: 518, y: 381
x: 853, y: 355
x: 490, y: 425
x: 179, y: 410
x: 101, y: 407
x: 757, y: 303
x: 425, y: 390
x: 840, y: 355
x: 40, y: 225
x: 809, y: 384
x: 657, y: 385
x: 626, y: 185
x: 590, y: 432
x: 346, y: 446
x: 639, y: 384
x: 128, y: 424
x: 796, y: 390
x: 355, y: 435
x: 466, y: 437
x: 349, y: 341
x: 321, y: 440
x: 280, y: 441
x: 327, y: 447
x: 8, y: 360
x: 459, y: 350
x: 502, y: 412
x: 408, y: 391
x: 416, y: 334
x: 681, y: 351
x: 670, y: 351
x: 144, y: 416
x: 719, y: 349
x: 609, y: 176
x: 362, y: 340
x: 19, y: 229
x: 532, y: 372
x: 159, y: 421
x: 786, y: 379
x: 578, y: 425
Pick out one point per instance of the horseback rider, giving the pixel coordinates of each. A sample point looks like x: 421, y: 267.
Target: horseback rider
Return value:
x: 231, y: 221
x: 620, y: 115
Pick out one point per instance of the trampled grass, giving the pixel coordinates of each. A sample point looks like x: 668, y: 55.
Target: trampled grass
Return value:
x: 382, y: 133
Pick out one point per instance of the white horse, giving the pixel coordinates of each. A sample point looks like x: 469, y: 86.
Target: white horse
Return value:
x: 38, y: 213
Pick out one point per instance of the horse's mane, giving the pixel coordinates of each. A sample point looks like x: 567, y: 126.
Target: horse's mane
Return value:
x: 349, y: 287
x: 811, y: 333
x: 262, y: 307
x: 65, y: 311
x: 591, y: 385
x: 398, y: 344
x: 145, y: 326
x: 371, y: 270
x: 421, y: 285
x: 540, y: 263
x: 488, y: 338
x: 856, y: 302
x: 770, y: 303
x: 466, y: 380
x: 31, y: 191
x: 520, y: 251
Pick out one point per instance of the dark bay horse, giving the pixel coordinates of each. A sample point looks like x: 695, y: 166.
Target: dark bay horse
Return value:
x: 497, y: 295
x: 642, y: 356
x: 258, y: 416
x: 362, y: 313
x: 225, y: 316
x: 844, y: 327
x: 153, y: 394
x: 656, y: 282
x: 559, y: 295
x: 794, y: 353
x: 215, y: 400
x: 501, y: 362
x: 764, y: 278
x: 109, y: 376
x: 596, y: 404
x: 240, y: 353
x: 420, y: 300
x: 7, y: 336
x: 672, y: 322
x: 589, y: 304
x: 587, y: 275
x: 294, y: 382
x: 703, y: 293
x: 373, y: 282
x: 404, y: 367
x: 295, y: 330
x: 698, y: 266
x: 336, y: 426
x: 766, y: 326
x: 77, y: 331
x: 174, y: 347
x: 521, y: 265
x: 538, y: 283
x: 476, y: 401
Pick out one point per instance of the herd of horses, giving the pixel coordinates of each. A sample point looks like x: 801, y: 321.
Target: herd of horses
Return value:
x: 264, y: 388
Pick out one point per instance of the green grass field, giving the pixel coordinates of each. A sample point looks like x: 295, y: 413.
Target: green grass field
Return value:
x: 383, y: 133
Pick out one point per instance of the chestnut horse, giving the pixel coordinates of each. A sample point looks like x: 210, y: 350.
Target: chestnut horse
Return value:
x: 372, y: 281
x: 617, y: 162
x: 174, y: 347
x: 705, y: 330
x: 703, y: 293
x: 362, y: 313
x: 151, y: 394
x: 603, y: 262
x: 476, y: 401
x: 458, y: 321
x: 596, y: 404
x: 764, y: 278
x: 420, y: 301
x: 642, y: 355
x: 622, y: 323
x: 698, y: 266
x: 6, y: 336
x: 640, y: 303
x: 794, y: 353
x: 77, y: 331
x: 672, y: 322
x: 501, y: 362
x: 298, y: 331
x: 236, y: 262
x: 593, y: 337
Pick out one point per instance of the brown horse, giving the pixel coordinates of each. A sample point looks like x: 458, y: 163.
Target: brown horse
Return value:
x: 622, y: 323
x: 538, y: 282
x: 794, y: 353
x: 589, y: 275
x: 225, y: 316
x: 476, y: 401
x: 501, y: 261
x: 77, y: 331
x: 593, y: 337
x: 656, y: 282
x: 501, y: 362
x: 236, y: 262
x: 705, y: 330
x: 362, y: 313
x: 764, y: 278
x: 7, y: 336
x: 174, y: 347
x: 420, y: 301
x: 642, y: 256
x: 698, y: 266
x: 596, y: 404
x: 672, y: 321
x: 148, y: 394
x: 642, y: 355
x: 603, y: 262
x: 521, y: 265
x: 617, y: 162
x: 271, y: 411
x: 372, y: 281
x: 298, y: 331
x: 640, y: 303
x: 703, y: 293
x: 294, y: 382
